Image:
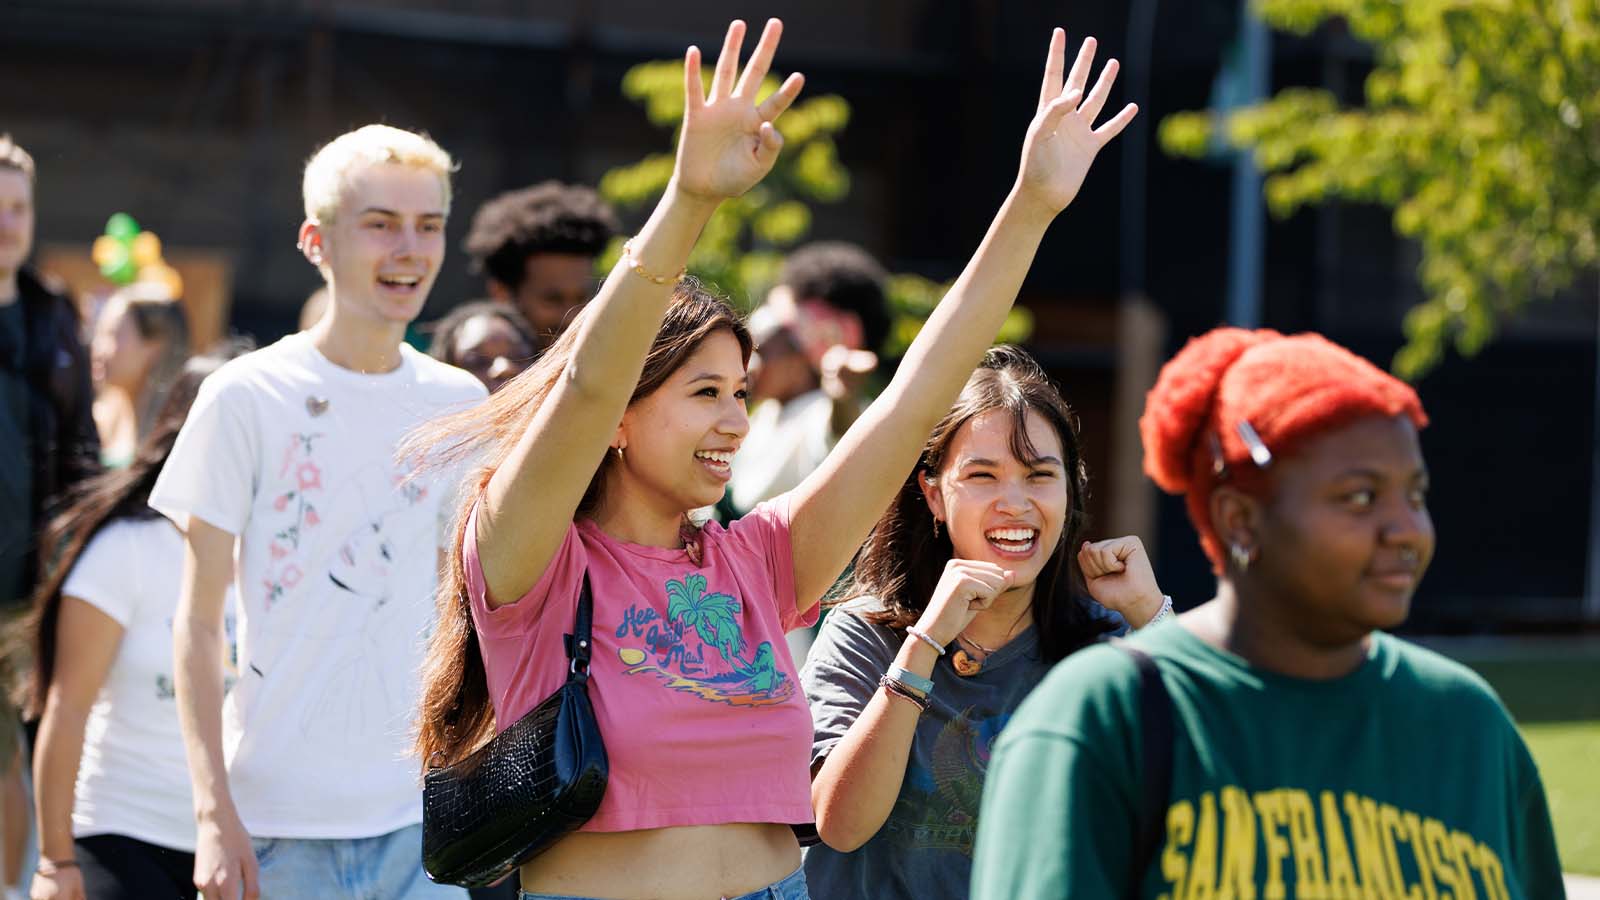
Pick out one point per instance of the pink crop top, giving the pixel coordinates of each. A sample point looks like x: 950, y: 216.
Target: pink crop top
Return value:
x: 692, y: 682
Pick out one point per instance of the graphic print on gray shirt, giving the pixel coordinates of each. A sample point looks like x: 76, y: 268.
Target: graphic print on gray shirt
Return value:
x: 924, y: 850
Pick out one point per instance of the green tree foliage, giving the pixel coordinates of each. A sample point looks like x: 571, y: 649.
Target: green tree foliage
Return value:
x: 1481, y: 129
x: 743, y: 246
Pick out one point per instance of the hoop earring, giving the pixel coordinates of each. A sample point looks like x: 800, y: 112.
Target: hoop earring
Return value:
x: 1241, y: 557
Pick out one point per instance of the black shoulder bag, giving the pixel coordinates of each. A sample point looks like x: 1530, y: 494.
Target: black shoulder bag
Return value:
x: 1158, y: 733
x: 525, y: 789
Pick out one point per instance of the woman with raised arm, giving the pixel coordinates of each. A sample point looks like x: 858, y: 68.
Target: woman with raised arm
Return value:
x: 595, y: 456
x: 961, y: 601
x: 1301, y: 751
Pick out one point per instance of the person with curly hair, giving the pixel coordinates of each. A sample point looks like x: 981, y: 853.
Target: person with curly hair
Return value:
x: 1275, y: 741
x: 537, y: 246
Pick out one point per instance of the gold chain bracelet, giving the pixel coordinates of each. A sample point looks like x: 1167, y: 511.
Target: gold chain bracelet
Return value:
x: 638, y: 267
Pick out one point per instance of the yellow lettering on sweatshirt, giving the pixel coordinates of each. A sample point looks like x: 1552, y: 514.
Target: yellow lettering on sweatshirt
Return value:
x: 1309, y: 883
x: 1269, y: 804
x: 1180, y: 831
x: 1203, y: 861
x: 1238, y: 880
x: 1341, y: 871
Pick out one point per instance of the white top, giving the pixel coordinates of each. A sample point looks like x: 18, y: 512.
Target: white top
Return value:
x: 132, y: 779
x: 337, y: 564
x: 786, y: 442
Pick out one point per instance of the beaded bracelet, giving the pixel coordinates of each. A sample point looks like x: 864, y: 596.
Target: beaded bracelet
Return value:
x: 638, y: 267
x: 896, y: 689
x: 922, y: 636
x: 1164, y: 613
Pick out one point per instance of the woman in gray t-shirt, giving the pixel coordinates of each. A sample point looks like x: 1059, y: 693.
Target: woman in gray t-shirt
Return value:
x: 962, y: 599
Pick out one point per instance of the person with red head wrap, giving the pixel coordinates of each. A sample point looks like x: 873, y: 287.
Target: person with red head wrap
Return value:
x: 1311, y: 754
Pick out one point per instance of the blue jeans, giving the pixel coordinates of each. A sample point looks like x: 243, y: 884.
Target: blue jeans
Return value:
x: 387, y: 866
x: 791, y: 888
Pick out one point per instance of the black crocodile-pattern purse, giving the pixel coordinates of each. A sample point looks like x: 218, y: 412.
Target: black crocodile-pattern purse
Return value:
x: 528, y: 787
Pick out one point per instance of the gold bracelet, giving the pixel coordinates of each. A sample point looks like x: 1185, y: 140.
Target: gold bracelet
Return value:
x: 638, y: 267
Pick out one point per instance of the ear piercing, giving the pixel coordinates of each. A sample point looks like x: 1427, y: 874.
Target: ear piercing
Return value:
x: 1240, y: 555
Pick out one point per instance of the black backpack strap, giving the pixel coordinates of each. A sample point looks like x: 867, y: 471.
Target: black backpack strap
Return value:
x: 1155, y: 776
x: 580, y: 642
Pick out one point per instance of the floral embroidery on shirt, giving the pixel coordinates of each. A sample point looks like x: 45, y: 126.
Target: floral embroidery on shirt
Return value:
x: 302, y: 479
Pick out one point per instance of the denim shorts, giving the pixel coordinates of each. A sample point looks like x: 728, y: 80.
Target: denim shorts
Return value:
x: 389, y: 866
x: 790, y: 888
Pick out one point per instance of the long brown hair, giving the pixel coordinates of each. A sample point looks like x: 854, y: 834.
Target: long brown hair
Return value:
x: 115, y: 495
x: 457, y: 714
x: 903, y: 559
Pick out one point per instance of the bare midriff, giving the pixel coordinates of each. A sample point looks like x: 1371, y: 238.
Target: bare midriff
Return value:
x: 690, y: 862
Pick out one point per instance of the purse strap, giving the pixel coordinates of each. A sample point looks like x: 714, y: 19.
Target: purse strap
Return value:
x: 579, y: 642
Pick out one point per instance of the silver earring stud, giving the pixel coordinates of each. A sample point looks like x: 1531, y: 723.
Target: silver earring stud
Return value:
x: 1240, y: 555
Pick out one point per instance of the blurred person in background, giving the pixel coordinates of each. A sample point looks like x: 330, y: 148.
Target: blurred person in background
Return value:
x: 48, y: 443
x: 536, y: 248
x: 302, y: 785
x: 111, y: 790
x: 489, y: 339
x: 141, y: 340
x: 815, y: 341
x: 1307, y: 753
x: 816, y: 338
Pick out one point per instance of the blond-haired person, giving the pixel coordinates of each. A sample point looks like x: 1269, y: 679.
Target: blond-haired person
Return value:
x: 301, y: 782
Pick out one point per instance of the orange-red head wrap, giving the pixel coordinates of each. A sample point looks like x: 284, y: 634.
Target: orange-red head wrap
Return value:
x: 1287, y: 388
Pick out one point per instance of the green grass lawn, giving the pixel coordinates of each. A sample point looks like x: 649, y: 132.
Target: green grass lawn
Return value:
x: 1556, y: 702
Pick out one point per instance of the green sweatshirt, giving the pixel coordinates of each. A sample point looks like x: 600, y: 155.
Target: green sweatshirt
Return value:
x: 1405, y: 779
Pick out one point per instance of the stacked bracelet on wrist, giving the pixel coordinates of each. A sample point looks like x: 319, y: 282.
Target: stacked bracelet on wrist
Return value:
x: 922, y: 636
x: 896, y: 689
x: 912, y: 680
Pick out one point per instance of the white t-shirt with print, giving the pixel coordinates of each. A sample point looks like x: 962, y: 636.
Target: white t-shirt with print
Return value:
x: 132, y: 779
x: 336, y: 570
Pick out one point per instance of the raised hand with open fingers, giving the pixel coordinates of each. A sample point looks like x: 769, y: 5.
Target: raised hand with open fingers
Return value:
x: 728, y: 142
x: 1118, y: 575
x: 1062, y: 140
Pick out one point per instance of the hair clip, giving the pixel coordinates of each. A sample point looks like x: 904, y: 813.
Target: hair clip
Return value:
x: 1259, y: 454
x: 1219, y: 463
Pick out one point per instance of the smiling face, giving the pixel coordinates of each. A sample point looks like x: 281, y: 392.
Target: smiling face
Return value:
x: 383, y: 250
x: 1346, y: 536
x: 998, y: 508
x: 16, y: 220
x: 680, y: 439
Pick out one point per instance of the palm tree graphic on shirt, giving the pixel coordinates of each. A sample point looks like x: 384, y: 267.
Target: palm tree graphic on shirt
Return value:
x: 714, y: 618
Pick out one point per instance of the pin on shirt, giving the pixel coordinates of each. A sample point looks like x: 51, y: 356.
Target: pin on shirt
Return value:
x: 316, y: 405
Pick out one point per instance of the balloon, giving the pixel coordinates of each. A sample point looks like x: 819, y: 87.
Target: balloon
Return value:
x: 118, y: 266
x: 164, y: 275
x: 122, y: 227
x: 104, y: 247
x: 146, y: 249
